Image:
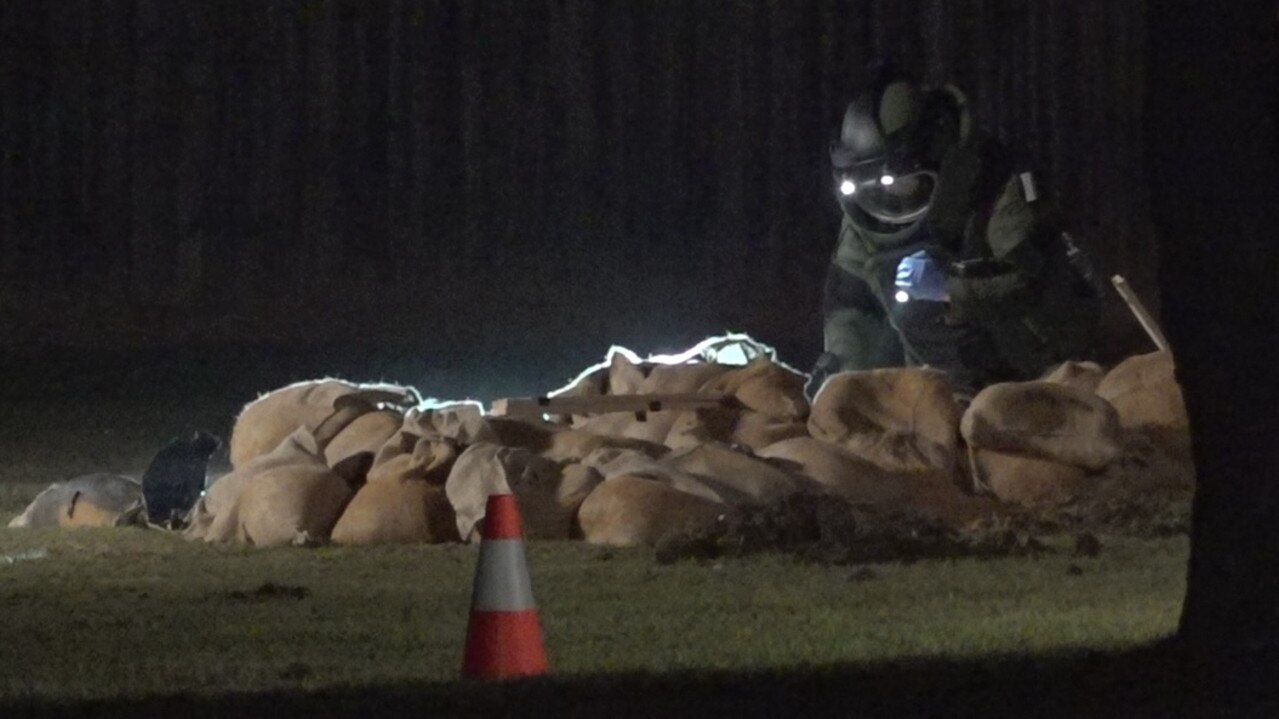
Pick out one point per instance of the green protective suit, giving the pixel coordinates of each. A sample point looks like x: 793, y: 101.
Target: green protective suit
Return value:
x: 1017, y: 304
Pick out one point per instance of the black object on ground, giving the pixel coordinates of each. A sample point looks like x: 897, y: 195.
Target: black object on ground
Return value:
x: 175, y: 478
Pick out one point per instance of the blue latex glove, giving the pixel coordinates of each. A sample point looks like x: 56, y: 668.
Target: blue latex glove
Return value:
x: 921, y: 278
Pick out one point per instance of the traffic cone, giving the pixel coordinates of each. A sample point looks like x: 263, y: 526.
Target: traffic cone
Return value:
x: 503, y: 638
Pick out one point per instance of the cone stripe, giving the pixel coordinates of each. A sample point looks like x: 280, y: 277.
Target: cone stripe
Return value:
x: 501, y: 518
x: 501, y: 578
x: 503, y: 644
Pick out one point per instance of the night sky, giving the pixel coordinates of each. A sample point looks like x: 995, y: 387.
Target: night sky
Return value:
x: 525, y: 181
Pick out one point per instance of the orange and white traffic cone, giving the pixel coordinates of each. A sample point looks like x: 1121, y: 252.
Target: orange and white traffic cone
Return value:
x: 504, y: 638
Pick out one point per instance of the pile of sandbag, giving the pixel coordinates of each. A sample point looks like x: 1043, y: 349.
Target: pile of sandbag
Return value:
x: 349, y: 463
x: 355, y: 464
x: 1050, y: 442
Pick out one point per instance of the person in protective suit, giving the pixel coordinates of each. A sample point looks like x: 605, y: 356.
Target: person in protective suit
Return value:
x: 945, y: 258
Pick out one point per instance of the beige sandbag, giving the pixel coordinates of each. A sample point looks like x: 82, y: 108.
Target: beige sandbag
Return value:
x: 837, y: 470
x: 764, y: 386
x: 681, y: 378
x: 1029, y: 481
x: 897, y: 419
x: 1044, y: 420
x: 630, y: 511
x: 650, y: 427
x: 735, y: 476
x: 757, y: 430
x: 1080, y: 375
x: 576, y: 484
x: 429, y: 460
x: 624, y: 374
x: 366, y: 433
x: 267, y: 420
x: 404, y: 499
x: 546, y: 504
x: 629, y: 374
x: 397, y: 510
x: 462, y: 422
x: 396, y: 449
x: 295, y: 504
x: 731, y: 426
x: 560, y: 443
x: 1143, y: 389
x: 693, y: 427
x: 215, y: 518
x: 614, y: 462
x: 92, y: 500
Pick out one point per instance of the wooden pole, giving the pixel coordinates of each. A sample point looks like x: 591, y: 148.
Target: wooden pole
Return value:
x: 1139, y: 310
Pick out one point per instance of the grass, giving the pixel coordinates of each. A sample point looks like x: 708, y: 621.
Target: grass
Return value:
x: 204, y: 620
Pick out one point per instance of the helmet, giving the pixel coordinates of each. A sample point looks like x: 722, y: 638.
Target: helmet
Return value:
x: 889, y: 154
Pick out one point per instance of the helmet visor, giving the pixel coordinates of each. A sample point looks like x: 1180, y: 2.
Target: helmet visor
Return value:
x: 897, y: 200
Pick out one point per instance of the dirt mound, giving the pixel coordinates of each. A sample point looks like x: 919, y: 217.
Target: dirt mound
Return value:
x: 829, y: 530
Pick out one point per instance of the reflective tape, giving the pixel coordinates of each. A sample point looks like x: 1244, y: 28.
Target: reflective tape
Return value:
x: 501, y: 578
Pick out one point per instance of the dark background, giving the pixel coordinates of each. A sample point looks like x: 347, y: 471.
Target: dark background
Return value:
x: 456, y: 179
x: 484, y: 194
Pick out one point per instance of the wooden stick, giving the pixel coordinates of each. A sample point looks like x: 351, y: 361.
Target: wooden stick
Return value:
x: 640, y: 404
x: 1148, y: 322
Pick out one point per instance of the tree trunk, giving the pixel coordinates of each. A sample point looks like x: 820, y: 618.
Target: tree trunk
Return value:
x: 1212, y: 145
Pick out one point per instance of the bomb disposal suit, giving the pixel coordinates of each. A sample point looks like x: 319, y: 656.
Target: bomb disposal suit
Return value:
x: 943, y: 256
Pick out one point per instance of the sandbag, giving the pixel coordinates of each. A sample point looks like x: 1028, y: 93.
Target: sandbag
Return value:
x: 1045, y: 421
x: 735, y: 476
x: 614, y: 462
x: 213, y: 517
x: 560, y: 443
x: 404, y: 500
x: 898, y: 419
x: 576, y: 484
x: 295, y: 504
x: 366, y: 433
x: 631, y: 511
x: 681, y: 378
x: 837, y: 470
x: 650, y: 427
x: 1143, y: 389
x: 1031, y: 482
x: 462, y: 422
x: 546, y: 504
x: 732, y: 426
x: 397, y: 510
x: 267, y: 420
x: 430, y: 459
x: 1080, y: 375
x: 91, y: 500
x: 764, y: 386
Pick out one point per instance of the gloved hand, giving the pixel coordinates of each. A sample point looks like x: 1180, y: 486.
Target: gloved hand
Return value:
x: 921, y: 278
